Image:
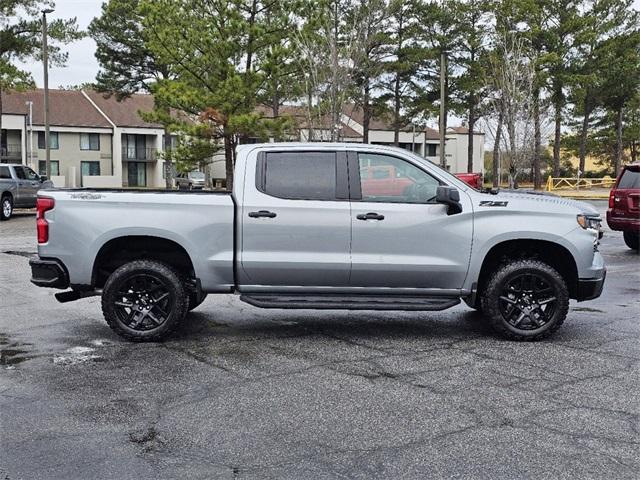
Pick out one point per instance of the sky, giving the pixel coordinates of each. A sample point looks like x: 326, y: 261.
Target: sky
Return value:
x: 82, y: 65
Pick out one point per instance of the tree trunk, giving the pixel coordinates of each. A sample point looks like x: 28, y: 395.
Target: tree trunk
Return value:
x: 617, y: 161
x: 558, y: 133
x: 537, y: 141
x: 168, y: 159
x: 396, y: 111
x: 228, y: 158
x: 583, y: 140
x: 472, y: 123
x: 366, y: 111
x: 634, y: 152
x: 496, y: 152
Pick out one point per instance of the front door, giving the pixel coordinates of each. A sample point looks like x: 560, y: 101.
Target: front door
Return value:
x: 400, y: 236
x: 296, y: 221
x: 28, y: 186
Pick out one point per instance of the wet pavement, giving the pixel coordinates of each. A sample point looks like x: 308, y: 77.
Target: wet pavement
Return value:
x: 246, y: 393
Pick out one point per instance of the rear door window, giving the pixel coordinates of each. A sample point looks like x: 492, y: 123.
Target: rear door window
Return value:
x: 630, y: 179
x: 5, y: 173
x: 299, y: 175
x: 19, y: 173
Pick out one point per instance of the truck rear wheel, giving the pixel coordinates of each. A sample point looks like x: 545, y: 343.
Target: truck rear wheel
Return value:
x: 6, y: 207
x: 144, y: 300
x: 632, y: 239
x: 526, y: 300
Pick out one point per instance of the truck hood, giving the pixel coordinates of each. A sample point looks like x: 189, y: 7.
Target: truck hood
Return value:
x: 529, y: 201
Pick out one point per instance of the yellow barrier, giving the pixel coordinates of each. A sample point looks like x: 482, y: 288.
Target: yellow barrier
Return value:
x: 565, y: 183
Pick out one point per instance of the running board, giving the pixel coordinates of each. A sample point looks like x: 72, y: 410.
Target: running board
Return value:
x: 350, y: 302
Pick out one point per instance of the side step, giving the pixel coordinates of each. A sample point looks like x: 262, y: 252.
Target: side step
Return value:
x: 350, y: 302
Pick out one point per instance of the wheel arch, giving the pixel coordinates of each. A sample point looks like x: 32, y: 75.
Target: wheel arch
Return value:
x: 120, y: 250
x: 552, y: 253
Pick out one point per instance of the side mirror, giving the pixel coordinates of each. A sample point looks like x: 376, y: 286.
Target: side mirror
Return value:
x: 449, y: 196
x: 43, y: 178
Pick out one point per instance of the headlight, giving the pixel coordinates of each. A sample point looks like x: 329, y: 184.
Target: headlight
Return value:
x: 590, y: 221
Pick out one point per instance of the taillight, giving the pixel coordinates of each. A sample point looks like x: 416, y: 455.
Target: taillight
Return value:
x: 611, y: 195
x: 43, y: 204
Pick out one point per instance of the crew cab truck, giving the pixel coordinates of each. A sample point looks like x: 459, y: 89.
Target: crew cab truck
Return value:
x: 302, y: 229
x: 19, y: 187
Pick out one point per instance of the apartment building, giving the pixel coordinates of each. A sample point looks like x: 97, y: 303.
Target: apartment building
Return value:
x: 94, y: 141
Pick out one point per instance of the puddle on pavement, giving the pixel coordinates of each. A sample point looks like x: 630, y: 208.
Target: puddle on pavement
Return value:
x: 587, y: 309
x: 76, y: 355
x: 13, y: 353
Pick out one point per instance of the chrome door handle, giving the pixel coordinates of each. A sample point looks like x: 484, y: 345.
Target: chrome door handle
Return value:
x: 262, y: 213
x: 370, y: 216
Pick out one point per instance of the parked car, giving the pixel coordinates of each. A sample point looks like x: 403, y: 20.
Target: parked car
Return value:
x: 302, y: 229
x: 472, y: 179
x: 191, y: 181
x: 624, y: 205
x: 19, y: 187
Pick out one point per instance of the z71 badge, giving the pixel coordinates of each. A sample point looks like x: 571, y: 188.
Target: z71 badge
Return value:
x: 491, y: 203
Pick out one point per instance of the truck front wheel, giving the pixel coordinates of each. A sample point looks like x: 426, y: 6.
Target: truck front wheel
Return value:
x: 144, y: 300
x: 526, y: 300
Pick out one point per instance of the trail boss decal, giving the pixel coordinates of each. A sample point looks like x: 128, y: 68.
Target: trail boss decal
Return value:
x: 492, y: 203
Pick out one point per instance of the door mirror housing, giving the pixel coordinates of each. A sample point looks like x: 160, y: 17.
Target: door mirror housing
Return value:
x: 43, y: 178
x: 449, y: 196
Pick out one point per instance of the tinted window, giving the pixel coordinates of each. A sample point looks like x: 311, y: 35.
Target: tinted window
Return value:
x: 301, y: 175
x: 394, y: 180
x: 630, y: 179
x: 27, y: 173
x: 19, y: 173
x: 5, y: 173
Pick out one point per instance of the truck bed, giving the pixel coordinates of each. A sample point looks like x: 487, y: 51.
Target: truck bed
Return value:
x: 85, y: 220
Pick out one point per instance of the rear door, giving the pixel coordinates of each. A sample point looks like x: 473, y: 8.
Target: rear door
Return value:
x: 403, y: 238
x: 296, y: 221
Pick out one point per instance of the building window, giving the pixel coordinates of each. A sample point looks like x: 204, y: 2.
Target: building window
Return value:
x: 53, y: 140
x: 90, y: 169
x: 431, y: 150
x: 89, y: 141
x: 55, y: 167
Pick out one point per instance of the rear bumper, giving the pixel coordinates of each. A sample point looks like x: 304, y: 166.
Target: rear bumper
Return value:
x: 624, y: 224
x: 590, y: 288
x: 49, y: 273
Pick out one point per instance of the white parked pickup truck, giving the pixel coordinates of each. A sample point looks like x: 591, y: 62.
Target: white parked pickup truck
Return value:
x: 310, y: 226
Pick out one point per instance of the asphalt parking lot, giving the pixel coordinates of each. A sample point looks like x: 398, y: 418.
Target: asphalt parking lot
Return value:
x: 246, y: 393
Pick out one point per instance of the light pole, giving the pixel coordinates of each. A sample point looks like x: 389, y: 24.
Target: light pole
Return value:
x: 45, y: 61
x: 30, y: 104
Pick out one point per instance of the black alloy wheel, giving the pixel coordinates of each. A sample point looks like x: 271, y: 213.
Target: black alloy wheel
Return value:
x: 527, y: 301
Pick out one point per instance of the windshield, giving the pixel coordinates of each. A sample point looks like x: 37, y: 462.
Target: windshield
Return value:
x: 448, y: 177
x: 197, y: 175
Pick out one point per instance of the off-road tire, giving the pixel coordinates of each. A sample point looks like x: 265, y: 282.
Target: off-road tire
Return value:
x: 4, y: 202
x: 196, y: 300
x: 632, y: 239
x: 171, y: 283
x: 495, y: 288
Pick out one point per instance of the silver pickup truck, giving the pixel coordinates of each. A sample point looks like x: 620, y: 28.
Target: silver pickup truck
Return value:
x: 322, y: 226
x: 19, y: 187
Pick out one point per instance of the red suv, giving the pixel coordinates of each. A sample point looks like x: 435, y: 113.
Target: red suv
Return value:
x: 624, y: 205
